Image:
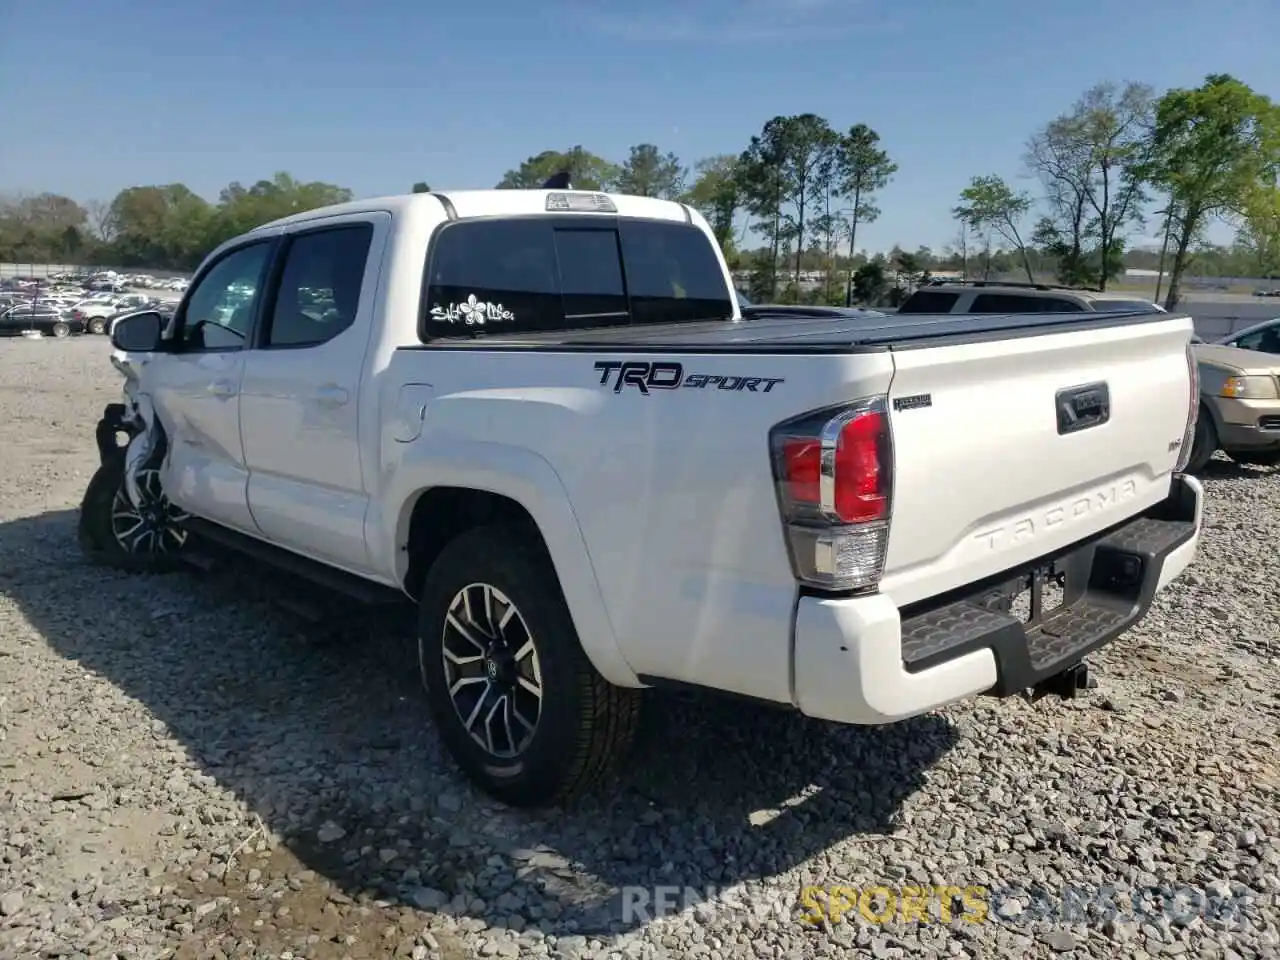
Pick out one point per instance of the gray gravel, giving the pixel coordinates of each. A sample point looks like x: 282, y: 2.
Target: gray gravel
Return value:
x: 189, y: 770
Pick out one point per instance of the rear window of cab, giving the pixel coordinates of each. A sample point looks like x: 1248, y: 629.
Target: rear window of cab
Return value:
x: 488, y: 277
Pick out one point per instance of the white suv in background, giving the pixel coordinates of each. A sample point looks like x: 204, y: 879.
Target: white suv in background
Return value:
x: 984, y: 296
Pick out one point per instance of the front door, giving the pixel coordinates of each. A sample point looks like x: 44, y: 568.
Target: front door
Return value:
x: 300, y: 393
x: 196, y: 387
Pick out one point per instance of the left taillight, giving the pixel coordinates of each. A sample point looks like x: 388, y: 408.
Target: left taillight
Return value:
x: 1193, y: 410
x: 834, y: 474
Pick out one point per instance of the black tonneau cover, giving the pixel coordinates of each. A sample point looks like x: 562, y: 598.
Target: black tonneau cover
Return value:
x: 815, y: 334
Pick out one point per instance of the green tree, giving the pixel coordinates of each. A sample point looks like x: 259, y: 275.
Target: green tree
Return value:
x: 242, y: 208
x: 988, y: 204
x: 762, y: 178
x: 47, y: 226
x: 647, y: 172
x: 783, y: 173
x: 586, y: 171
x: 1258, y: 239
x: 870, y: 283
x: 1210, y: 149
x: 807, y: 171
x: 862, y: 169
x: 717, y: 194
x: 1087, y: 160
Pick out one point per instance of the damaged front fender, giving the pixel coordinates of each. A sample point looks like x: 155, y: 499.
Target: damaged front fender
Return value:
x: 136, y: 419
x: 140, y: 448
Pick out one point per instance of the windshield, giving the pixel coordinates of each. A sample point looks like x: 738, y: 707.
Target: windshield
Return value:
x: 742, y: 299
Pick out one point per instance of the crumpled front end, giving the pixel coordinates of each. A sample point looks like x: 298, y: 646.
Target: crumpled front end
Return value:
x: 136, y: 419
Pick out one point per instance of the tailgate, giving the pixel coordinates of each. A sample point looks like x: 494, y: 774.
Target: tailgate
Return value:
x: 987, y: 477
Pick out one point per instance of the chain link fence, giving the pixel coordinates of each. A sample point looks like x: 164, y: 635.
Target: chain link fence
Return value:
x: 41, y: 271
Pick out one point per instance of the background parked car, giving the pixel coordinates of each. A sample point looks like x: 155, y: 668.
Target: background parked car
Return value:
x: 981, y: 296
x: 1239, y: 403
x: 48, y: 320
x: 1263, y: 337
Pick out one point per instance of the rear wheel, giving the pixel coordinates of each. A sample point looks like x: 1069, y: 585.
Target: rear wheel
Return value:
x: 61, y: 330
x: 1205, y: 443
x: 514, y: 698
x: 98, y: 325
x: 114, y: 532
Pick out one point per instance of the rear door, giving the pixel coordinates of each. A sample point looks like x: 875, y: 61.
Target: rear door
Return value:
x: 298, y: 398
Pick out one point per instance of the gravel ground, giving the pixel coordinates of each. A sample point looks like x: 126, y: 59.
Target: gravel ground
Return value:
x: 191, y: 770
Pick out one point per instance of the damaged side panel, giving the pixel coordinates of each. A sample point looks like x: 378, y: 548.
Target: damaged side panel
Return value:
x: 135, y: 418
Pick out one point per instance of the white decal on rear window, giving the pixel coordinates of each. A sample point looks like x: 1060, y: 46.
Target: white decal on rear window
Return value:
x: 473, y: 312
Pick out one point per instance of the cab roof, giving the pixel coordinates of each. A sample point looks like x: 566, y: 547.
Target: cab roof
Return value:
x: 482, y: 203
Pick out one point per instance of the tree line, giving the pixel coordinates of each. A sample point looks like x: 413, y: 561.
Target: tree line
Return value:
x: 1123, y: 158
x: 1119, y: 160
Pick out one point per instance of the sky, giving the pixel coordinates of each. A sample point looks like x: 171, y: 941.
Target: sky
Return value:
x: 375, y: 95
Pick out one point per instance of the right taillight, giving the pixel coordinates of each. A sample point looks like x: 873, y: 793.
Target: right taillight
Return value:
x: 834, y: 473
x: 1193, y: 410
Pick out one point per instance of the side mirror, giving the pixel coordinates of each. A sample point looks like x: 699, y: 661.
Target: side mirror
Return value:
x: 138, y: 332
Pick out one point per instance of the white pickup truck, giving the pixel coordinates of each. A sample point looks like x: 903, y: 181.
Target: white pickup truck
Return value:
x: 540, y: 416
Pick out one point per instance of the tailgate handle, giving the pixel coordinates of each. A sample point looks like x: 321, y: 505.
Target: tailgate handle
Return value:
x: 1082, y: 407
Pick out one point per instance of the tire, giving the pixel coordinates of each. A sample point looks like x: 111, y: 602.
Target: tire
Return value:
x: 105, y: 537
x: 583, y: 725
x: 1205, y: 443
x: 98, y: 326
x: 61, y: 330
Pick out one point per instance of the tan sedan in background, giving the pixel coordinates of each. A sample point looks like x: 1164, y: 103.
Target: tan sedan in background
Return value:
x: 1239, y: 398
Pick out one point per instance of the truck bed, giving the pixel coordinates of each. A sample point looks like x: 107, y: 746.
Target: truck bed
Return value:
x: 816, y: 334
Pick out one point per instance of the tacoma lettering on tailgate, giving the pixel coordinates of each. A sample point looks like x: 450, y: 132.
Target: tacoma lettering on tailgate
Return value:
x: 1031, y: 525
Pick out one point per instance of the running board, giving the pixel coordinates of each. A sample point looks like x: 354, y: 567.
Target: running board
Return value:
x: 348, y: 584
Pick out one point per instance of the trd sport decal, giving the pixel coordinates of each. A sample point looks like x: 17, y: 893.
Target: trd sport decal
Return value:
x: 645, y: 376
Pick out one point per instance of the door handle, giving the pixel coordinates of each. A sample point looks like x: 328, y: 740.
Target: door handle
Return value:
x: 332, y: 396
x: 222, y: 389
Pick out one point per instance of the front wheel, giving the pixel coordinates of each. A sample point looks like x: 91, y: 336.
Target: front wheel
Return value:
x: 61, y: 330
x: 98, y: 326
x: 115, y: 533
x: 514, y: 698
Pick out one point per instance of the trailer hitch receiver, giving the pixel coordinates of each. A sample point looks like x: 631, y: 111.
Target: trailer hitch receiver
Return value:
x: 1066, y: 684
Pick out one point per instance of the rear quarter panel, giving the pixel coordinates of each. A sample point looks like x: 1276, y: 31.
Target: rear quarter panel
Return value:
x: 672, y: 490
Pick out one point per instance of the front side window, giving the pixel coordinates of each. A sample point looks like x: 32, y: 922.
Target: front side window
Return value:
x: 1266, y: 340
x: 320, y: 286
x: 219, y: 312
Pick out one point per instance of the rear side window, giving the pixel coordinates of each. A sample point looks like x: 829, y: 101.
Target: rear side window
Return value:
x: 320, y: 286
x: 1015, y: 303
x: 538, y: 274
x: 929, y: 301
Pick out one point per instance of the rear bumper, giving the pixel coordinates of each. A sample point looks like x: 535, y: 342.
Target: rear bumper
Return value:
x: 861, y: 660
